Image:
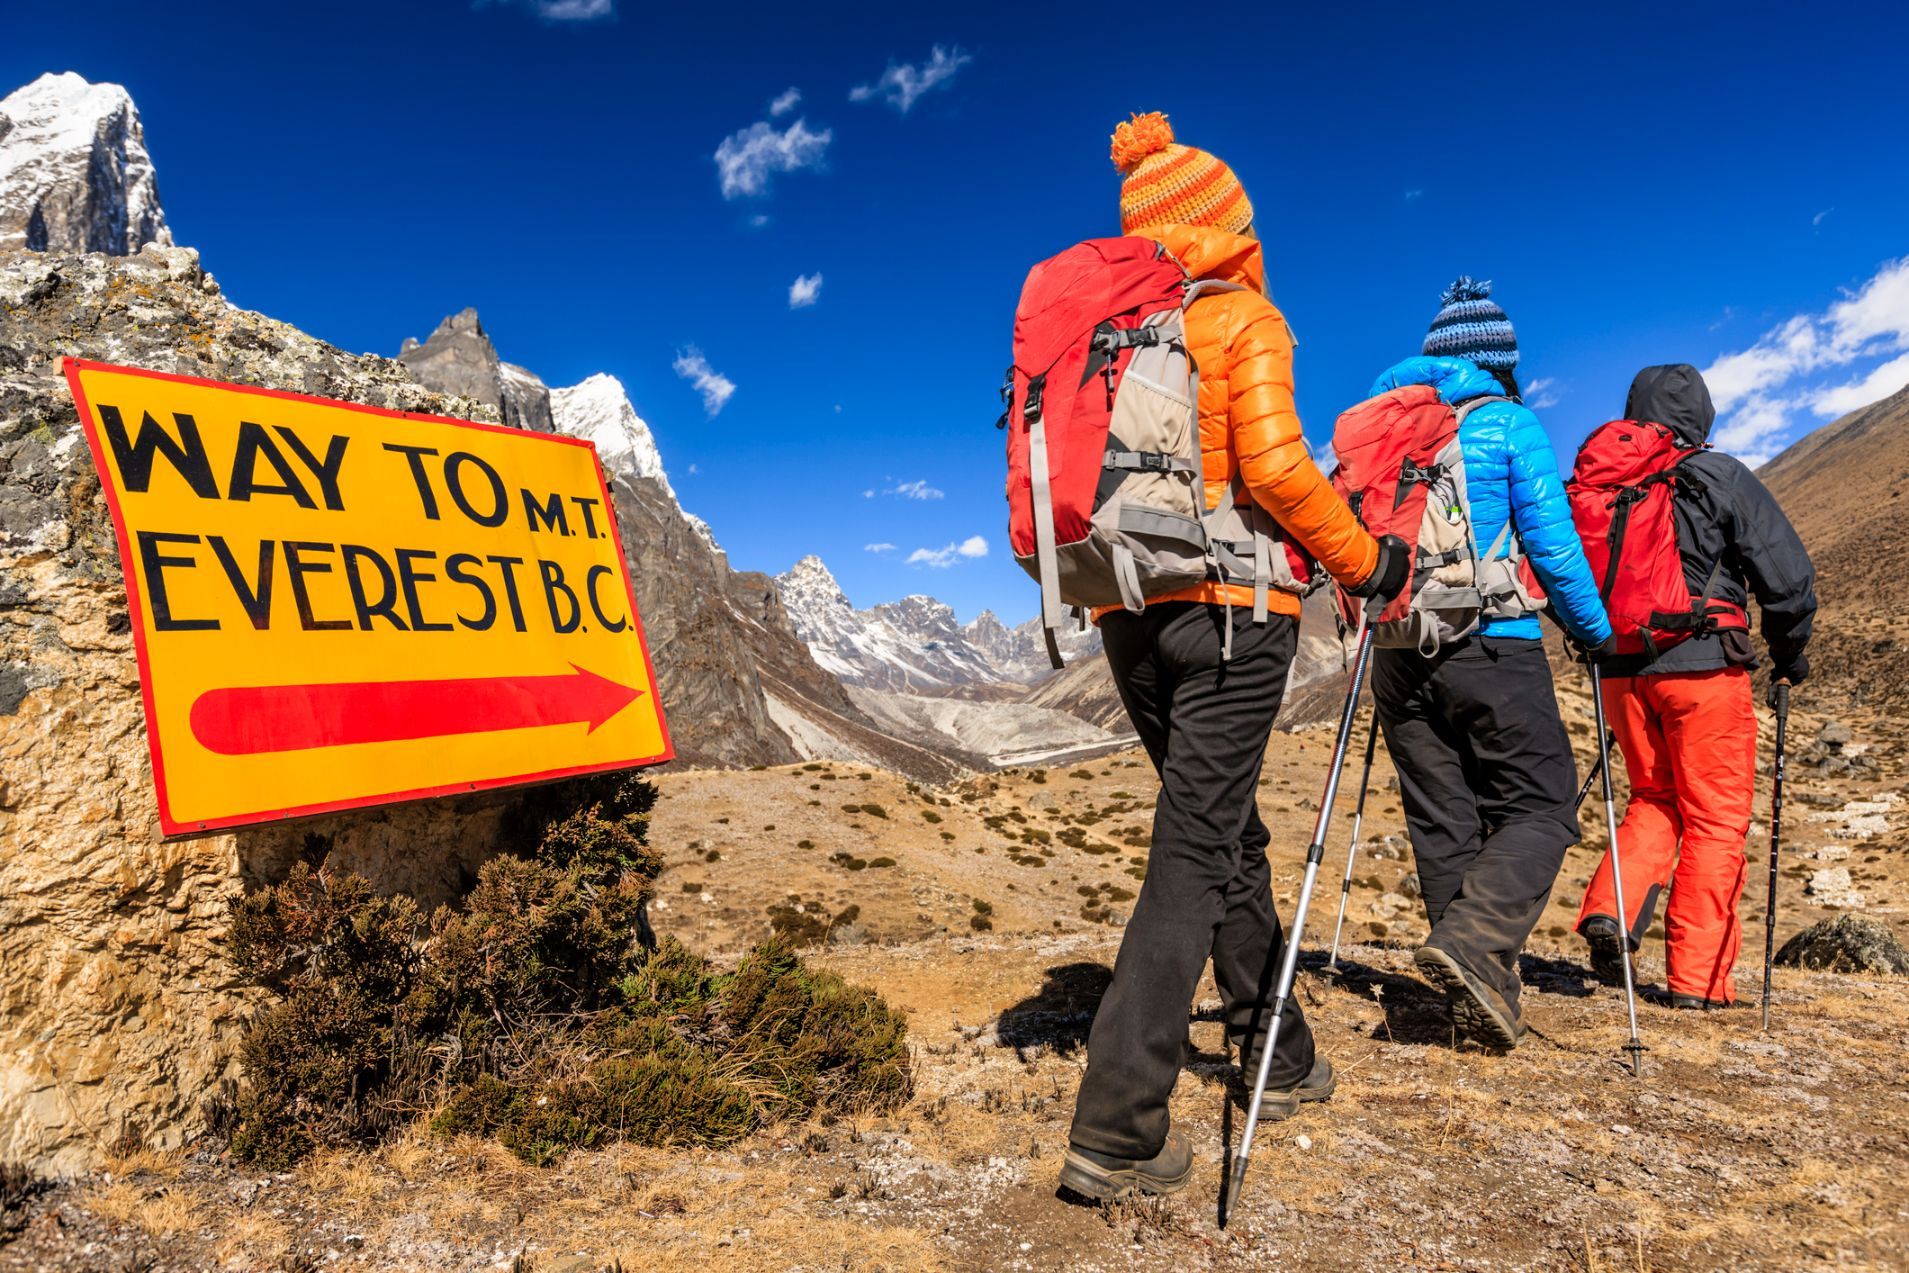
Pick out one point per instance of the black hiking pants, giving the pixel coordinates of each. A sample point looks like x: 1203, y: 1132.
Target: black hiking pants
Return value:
x: 1487, y: 780
x: 1208, y: 891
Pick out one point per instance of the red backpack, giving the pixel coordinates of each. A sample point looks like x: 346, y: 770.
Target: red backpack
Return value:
x: 1623, y: 490
x: 1106, y: 483
x: 1402, y: 471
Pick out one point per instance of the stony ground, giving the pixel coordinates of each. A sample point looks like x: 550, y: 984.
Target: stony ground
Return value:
x: 990, y: 911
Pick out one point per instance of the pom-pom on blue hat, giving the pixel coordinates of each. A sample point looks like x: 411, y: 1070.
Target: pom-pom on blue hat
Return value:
x: 1471, y: 326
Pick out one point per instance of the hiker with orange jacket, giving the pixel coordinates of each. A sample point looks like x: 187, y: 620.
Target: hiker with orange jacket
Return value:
x: 1203, y: 712
x: 1682, y: 710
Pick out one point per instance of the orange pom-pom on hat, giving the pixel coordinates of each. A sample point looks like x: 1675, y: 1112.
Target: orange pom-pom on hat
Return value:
x: 1167, y: 183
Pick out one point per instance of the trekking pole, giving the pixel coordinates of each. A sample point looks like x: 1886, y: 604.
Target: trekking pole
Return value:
x: 1782, y: 695
x: 1352, y: 854
x: 1635, y: 1047
x: 1596, y: 769
x: 1289, y: 966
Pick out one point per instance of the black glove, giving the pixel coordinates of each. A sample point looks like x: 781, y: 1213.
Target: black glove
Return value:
x: 1389, y: 575
x: 1792, y: 666
x: 1599, y: 653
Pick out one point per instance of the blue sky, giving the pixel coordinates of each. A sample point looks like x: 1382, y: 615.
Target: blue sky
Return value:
x: 1720, y: 185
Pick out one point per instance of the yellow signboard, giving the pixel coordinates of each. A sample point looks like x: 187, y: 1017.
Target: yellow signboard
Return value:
x: 337, y: 605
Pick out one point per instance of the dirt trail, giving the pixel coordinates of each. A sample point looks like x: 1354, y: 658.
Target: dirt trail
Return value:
x: 990, y: 912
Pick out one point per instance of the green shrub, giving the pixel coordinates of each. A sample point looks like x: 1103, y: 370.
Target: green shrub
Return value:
x: 875, y: 863
x: 930, y: 816
x: 538, y: 1011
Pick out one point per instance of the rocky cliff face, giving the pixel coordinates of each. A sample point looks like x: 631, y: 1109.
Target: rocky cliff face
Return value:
x: 459, y: 358
x: 117, y: 1009
x: 74, y: 172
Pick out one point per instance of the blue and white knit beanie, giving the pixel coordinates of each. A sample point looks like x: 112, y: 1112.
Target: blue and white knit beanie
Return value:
x: 1472, y: 327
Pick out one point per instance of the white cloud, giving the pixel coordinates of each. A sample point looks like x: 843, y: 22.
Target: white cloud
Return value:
x: 918, y: 489
x: 1845, y: 357
x: 758, y: 221
x: 868, y: 494
x: 972, y: 547
x: 1543, y: 393
x: 715, y: 387
x: 788, y: 101
x: 878, y: 548
x: 1414, y: 195
x: 805, y: 291
x: 695, y: 469
x: 1877, y: 384
x: 748, y: 158
x: 901, y: 86
x: 1817, y: 220
x: 568, y: 10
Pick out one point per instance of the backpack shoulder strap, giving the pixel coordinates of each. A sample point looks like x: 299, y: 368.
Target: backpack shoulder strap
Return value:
x: 1470, y: 405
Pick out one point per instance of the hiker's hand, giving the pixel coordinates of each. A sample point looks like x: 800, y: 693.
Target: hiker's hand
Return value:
x: 1791, y: 670
x: 1389, y: 574
x: 1599, y: 653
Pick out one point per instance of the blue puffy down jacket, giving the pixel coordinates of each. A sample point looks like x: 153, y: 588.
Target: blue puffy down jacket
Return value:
x: 1511, y: 472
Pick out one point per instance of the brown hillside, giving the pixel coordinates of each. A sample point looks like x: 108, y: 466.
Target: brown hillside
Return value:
x: 1843, y: 486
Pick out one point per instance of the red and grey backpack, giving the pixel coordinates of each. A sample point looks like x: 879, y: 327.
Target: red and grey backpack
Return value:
x: 1402, y: 471
x: 1106, y: 485
x: 1624, y: 489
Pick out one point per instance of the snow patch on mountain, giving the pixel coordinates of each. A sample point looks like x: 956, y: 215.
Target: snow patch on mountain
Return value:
x: 74, y: 172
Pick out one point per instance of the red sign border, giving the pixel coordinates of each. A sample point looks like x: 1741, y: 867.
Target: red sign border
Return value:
x: 172, y: 829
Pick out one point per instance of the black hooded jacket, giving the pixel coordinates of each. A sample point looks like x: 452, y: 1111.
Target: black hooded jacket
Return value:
x: 1733, y: 518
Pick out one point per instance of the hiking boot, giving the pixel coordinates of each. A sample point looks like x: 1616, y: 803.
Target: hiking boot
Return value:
x: 1104, y: 1177
x: 1477, y: 1011
x: 1283, y: 1102
x: 1697, y: 1002
x: 1606, y: 939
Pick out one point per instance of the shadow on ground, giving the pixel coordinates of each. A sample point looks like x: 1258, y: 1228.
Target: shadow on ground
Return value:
x: 1057, y: 1017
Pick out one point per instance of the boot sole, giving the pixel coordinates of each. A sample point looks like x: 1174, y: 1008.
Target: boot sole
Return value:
x: 1607, y: 958
x: 1104, y: 1184
x: 1471, y: 1012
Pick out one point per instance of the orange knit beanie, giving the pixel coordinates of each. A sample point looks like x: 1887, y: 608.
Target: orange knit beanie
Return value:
x: 1167, y: 182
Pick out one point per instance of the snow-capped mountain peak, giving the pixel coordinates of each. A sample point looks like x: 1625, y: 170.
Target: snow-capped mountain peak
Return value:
x: 598, y: 409
x: 74, y: 172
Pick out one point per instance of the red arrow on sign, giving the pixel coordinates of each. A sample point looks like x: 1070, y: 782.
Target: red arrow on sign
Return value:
x: 248, y: 720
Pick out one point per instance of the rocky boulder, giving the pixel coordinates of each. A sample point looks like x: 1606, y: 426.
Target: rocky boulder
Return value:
x: 118, y: 1010
x: 1848, y: 943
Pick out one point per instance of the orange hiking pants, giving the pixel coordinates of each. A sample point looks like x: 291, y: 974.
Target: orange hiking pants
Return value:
x: 1690, y: 747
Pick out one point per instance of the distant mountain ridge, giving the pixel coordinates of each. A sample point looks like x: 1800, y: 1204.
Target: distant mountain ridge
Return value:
x: 916, y: 645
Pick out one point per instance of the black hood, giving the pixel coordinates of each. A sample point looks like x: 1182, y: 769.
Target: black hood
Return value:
x: 1676, y: 396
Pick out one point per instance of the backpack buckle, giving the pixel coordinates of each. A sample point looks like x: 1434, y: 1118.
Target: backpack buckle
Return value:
x: 1031, y: 410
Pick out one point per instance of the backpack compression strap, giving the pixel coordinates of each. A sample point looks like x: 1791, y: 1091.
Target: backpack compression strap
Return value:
x: 1046, y: 560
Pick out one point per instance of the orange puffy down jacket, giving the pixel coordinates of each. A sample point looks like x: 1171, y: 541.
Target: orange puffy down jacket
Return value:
x: 1248, y: 421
